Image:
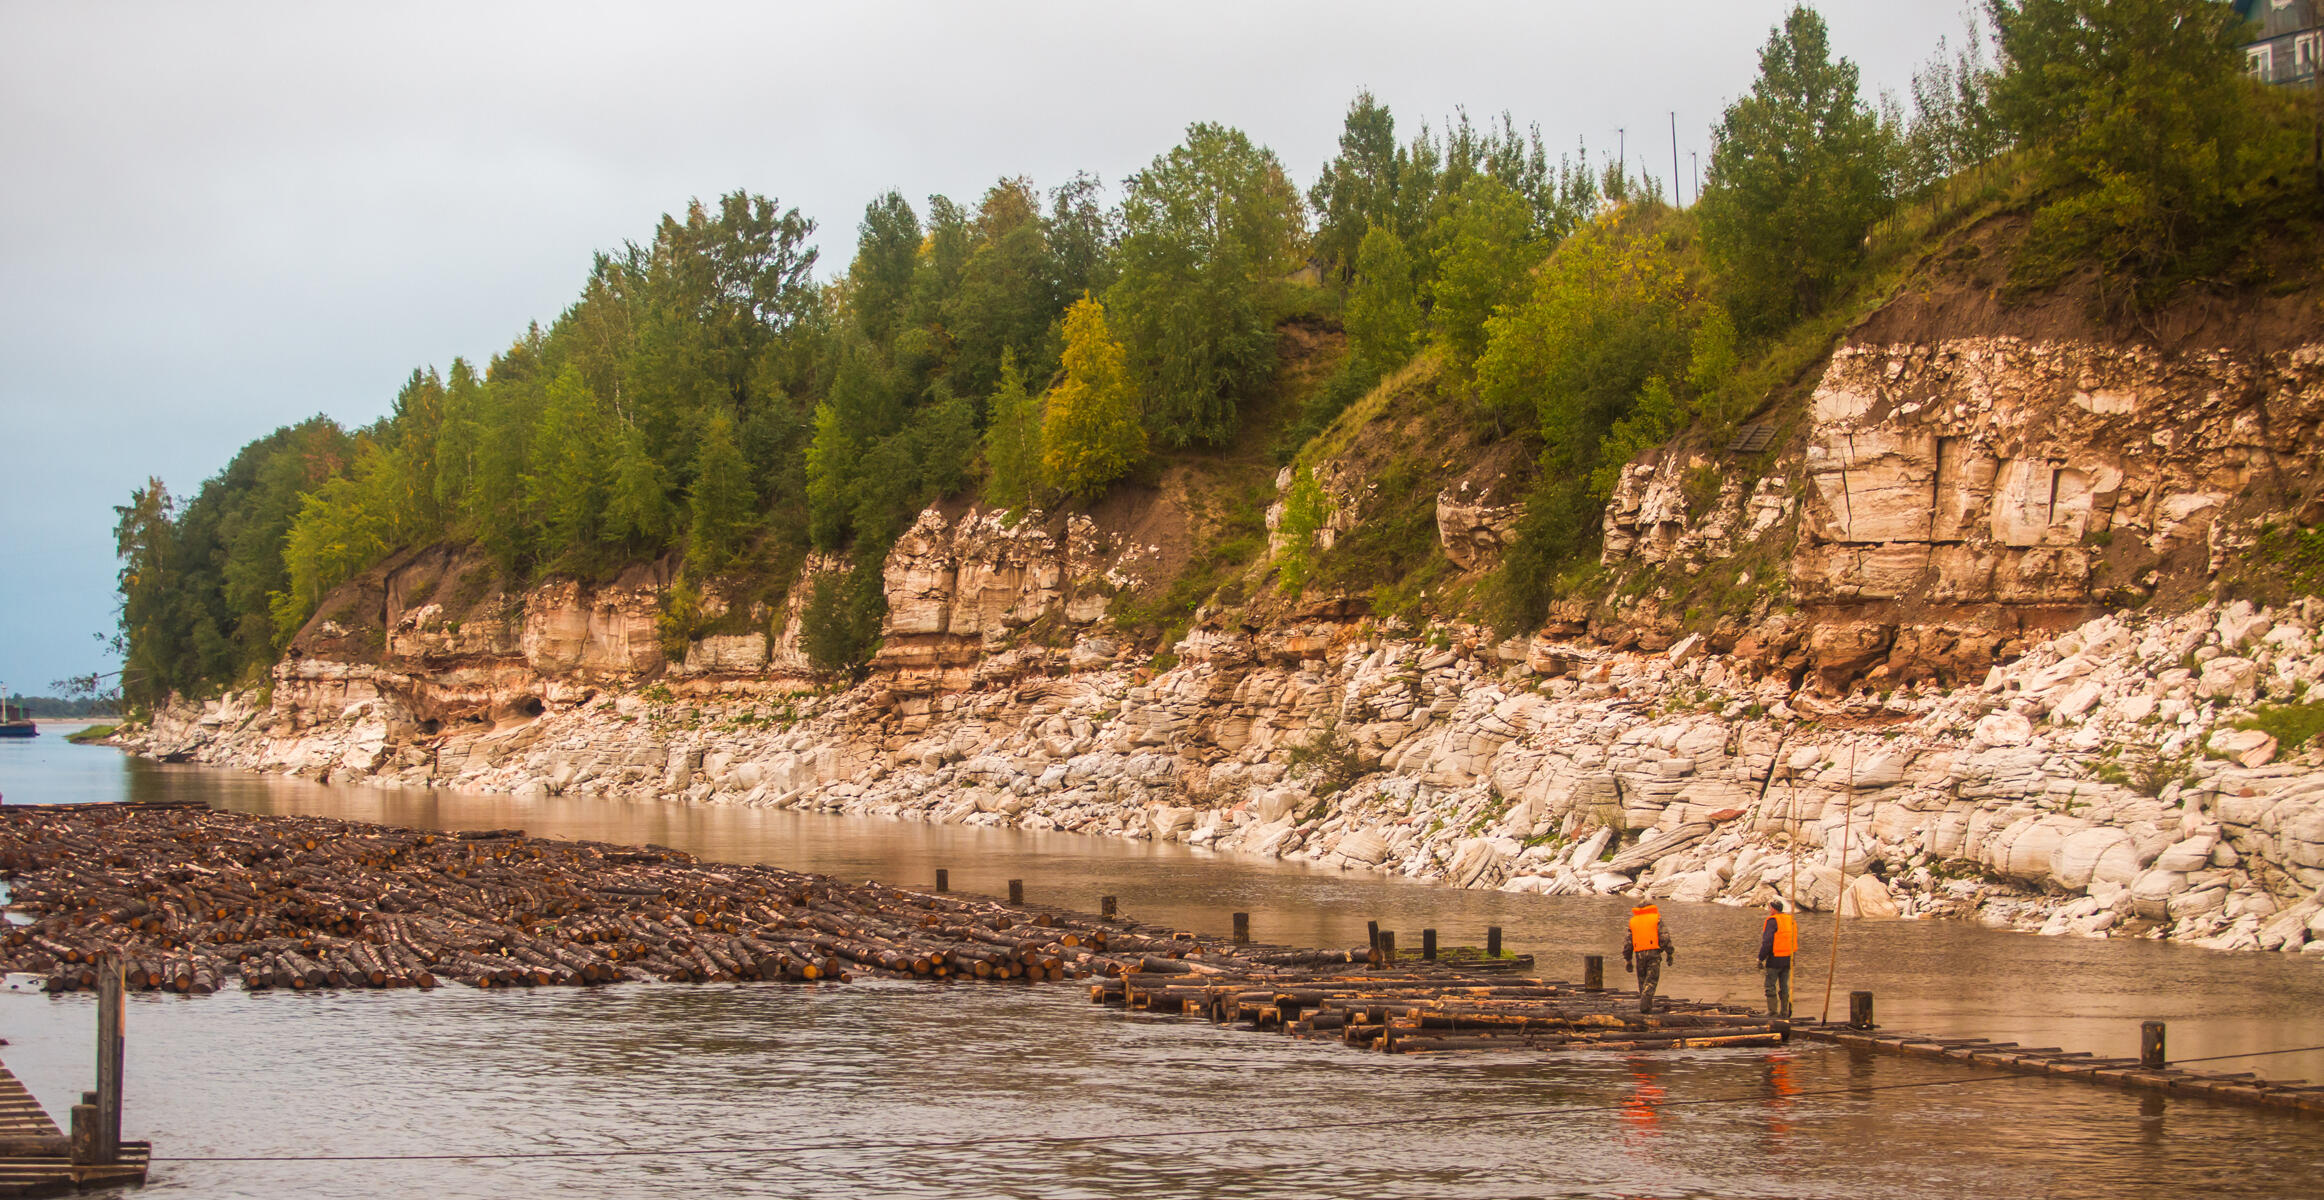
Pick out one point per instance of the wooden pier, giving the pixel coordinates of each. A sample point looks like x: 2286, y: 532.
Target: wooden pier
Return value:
x: 2152, y: 1073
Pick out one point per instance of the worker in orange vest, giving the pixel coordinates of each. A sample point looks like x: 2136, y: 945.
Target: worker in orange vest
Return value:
x: 1645, y: 949
x: 1778, y: 941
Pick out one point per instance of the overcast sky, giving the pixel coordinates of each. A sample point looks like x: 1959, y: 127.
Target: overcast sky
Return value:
x: 216, y: 219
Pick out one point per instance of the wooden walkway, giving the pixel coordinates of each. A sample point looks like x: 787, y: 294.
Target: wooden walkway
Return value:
x: 2240, y: 1088
x: 22, y: 1121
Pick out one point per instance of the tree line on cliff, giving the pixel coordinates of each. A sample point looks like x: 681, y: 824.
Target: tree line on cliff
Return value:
x: 707, y: 398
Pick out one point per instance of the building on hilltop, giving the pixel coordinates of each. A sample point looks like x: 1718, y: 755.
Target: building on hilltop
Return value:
x: 2290, y: 41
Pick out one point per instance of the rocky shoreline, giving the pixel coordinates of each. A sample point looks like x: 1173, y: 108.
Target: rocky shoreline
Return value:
x: 2098, y: 785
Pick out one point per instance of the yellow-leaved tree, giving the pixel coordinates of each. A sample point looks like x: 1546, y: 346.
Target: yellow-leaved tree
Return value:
x: 1091, y: 435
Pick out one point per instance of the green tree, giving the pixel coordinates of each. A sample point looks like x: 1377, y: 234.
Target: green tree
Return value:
x: 564, y: 489
x: 1203, y: 224
x: 145, y: 539
x: 1953, y: 128
x: 1007, y: 293
x: 637, y: 501
x: 1484, y: 249
x: 1795, y: 178
x: 344, y: 526
x: 839, y: 627
x: 1595, y: 356
x: 1013, y: 441
x: 1383, y: 315
x: 2150, y: 137
x: 887, y: 255
x: 457, y: 441
x: 719, y: 504
x: 1090, y: 435
x: 1356, y: 191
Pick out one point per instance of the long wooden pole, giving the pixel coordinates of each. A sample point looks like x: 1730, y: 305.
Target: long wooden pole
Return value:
x: 1791, y: 843
x: 109, y: 983
x: 1847, y: 830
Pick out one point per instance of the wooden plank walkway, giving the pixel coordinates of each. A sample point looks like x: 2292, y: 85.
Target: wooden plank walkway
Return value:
x: 2296, y: 1095
x: 55, y: 1175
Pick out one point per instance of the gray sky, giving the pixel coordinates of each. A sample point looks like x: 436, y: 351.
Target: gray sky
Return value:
x: 221, y: 218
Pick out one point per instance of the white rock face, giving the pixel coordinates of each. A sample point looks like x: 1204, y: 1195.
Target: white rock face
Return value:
x: 2090, y: 773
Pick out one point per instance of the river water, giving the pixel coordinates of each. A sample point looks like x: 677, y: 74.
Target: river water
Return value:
x: 913, y: 1090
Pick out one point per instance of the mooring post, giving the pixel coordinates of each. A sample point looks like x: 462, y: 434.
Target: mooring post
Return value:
x: 1016, y: 891
x: 84, y: 1134
x: 1106, y: 906
x: 1242, y: 929
x: 1428, y: 945
x: 2150, y: 1046
x: 109, y: 1047
x: 1492, y: 941
x: 1593, y: 972
x: 1387, y: 945
x: 1859, y: 1010
x: 943, y: 880
x: 1372, y: 934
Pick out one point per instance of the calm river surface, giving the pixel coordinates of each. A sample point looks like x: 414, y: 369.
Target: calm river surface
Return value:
x: 796, y: 1081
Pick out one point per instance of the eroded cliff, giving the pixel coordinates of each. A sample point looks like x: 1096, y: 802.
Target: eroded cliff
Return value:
x: 1954, y: 630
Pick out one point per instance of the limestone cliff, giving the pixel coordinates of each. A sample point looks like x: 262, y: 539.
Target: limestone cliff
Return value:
x: 1948, y: 631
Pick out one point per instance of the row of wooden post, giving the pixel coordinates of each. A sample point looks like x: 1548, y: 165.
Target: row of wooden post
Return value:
x: 1383, y: 940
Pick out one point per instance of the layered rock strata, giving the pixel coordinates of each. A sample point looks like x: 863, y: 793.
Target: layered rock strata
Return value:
x: 2096, y: 786
x: 1955, y: 502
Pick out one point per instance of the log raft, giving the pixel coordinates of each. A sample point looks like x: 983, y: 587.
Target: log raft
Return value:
x: 193, y: 900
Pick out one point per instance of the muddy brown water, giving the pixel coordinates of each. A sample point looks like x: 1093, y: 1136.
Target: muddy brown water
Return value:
x: 781, y: 1090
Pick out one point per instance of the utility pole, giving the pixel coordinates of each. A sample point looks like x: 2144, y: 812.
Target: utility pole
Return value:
x: 1674, y: 196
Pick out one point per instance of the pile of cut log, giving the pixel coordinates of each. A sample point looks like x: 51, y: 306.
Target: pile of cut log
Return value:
x: 190, y: 898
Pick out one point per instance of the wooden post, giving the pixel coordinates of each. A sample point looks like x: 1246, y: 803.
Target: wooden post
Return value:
x: 1492, y: 941
x: 1428, y: 945
x: 1372, y: 932
x: 1387, y: 945
x: 1242, y: 929
x: 2150, y: 1046
x: 1016, y: 891
x: 84, y: 1134
x: 1106, y: 906
x: 943, y: 880
x: 1859, y: 1010
x: 1593, y: 972
x: 109, y: 1047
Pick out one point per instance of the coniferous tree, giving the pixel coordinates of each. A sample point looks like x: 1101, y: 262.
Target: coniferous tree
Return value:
x: 457, y: 442
x: 1357, y: 190
x: 719, y: 505
x: 564, y: 489
x: 1013, y: 441
x: 637, y: 501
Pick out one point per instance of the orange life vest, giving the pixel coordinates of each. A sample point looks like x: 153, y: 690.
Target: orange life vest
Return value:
x: 1786, y: 935
x: 1645, y: 928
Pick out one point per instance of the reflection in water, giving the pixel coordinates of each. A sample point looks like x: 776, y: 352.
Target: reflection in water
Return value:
x: 742, y: 1067
x: 1642, y: 1112
x: 1780, y: 1090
